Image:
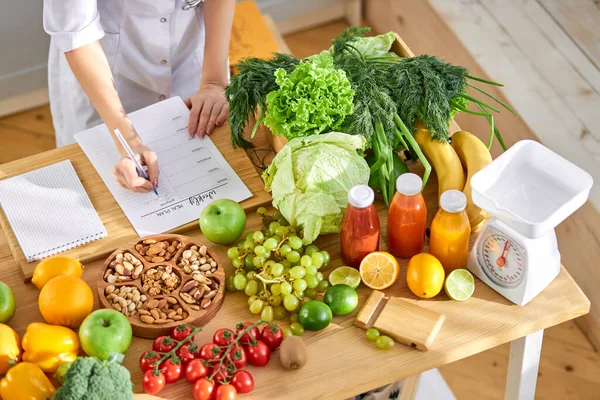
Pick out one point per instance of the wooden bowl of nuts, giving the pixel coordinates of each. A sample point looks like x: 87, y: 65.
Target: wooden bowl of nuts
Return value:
x: 163, y: 281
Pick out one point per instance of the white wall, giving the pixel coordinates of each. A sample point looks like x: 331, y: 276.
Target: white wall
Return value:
x: 23, y: 48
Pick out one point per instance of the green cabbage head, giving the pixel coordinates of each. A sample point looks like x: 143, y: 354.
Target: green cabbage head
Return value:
x: 310, y: 177
x: 313, y: 98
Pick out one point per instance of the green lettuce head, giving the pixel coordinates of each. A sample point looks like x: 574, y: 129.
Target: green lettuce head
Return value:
x: 310, y: 177
x: 313, y: 98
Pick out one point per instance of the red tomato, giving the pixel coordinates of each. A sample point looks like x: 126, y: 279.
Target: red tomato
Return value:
x: 237, y: 354
x: 210, y: 351
x: 258, y: 354
x: 147, y: 359
x: 223, y: 337
x: 187, y: 352
x: 195, y: 370
x: 181, y: 332
x: 253, y: 333
x: 221, y: 376
x: 163, y: 344
x: 153, y: 384
x: 272, y: 336
x: 243, y: 381
x: 203, y: 389
x: 226, y: 392
x: 171, y: 370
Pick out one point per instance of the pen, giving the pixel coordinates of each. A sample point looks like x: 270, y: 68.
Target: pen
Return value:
x: 132, y: 156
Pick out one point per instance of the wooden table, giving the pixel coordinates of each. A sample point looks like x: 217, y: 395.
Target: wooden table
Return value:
x: 341, y: 362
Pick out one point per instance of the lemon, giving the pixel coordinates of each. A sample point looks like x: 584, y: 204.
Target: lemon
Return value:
x: 425, y: 275
x: 379, y: 270
x: 459, y: 285
x: 346, y: 275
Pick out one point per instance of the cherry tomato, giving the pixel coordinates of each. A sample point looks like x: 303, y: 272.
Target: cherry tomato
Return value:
x: 187, y: 352
x: 147, y: 359
x: 171, y: 370
x: 209, y: 351
x: 272, y: 336
x: 203, y: 389
x: 238, y: 356
x: 195, y: 370
x: 153, y: 384
x: 181, y: 332
x: 221, y: 376
x: 226, y: 392
x: 243, y: 381
x: 253, y: 333
x: 258, y: 354
x: 163, y: 344
x: 223, y: 337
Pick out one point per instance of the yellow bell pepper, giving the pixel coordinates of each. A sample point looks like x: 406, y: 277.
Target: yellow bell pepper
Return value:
x: 10, y: 347
x: 26, y: 381
x: 49, y: 346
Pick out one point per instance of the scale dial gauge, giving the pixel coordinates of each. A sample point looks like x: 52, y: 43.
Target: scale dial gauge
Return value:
x: 501, y: 259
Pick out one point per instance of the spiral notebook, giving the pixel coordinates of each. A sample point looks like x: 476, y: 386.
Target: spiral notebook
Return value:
x: 49, y: 211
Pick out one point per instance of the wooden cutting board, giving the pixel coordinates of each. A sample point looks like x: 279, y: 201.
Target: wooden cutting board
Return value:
x: 119, y: 229
x: 402, y: 320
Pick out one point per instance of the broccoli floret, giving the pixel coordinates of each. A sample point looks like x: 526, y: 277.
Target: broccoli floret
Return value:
x: 89, y: 378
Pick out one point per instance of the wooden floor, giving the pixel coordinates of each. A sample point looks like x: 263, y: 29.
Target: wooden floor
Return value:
x: 570, y: 367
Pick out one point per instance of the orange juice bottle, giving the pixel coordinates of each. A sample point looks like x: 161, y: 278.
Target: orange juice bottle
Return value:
x: 450, y: 231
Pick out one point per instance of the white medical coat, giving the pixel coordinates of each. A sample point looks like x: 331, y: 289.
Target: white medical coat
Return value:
x: 154, y: 48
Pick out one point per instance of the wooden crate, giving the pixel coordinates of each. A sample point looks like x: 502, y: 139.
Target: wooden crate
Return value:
x: 399, y: 47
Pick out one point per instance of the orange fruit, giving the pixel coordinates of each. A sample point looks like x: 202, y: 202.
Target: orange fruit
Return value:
x: 425, y: 275
x: 379, y: 270
x: 54, y: 266
x: 65, y: 300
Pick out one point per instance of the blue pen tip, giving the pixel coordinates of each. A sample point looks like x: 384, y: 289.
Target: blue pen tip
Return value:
x: 155, y: 192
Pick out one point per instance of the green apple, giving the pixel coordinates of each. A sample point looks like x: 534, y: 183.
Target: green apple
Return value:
x: 103, y: 332
x: 222, y: 221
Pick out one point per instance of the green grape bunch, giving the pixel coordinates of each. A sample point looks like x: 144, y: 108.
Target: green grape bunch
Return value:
x: 276, y: 270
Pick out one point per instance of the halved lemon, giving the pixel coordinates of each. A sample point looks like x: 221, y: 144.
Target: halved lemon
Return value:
x: 379, y: 270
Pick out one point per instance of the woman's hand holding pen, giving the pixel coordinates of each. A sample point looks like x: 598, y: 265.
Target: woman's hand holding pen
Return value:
x: 126, y: 173
x: 208, y: 109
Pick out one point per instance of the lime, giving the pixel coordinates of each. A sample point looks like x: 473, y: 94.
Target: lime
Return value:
x: 459, y: 285
x: 315, y: 315
x: 346, y: 275
x: 7, y: 303
x: 342, y: 299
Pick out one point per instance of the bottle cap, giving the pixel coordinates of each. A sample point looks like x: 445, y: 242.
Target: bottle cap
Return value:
x: 361, y: 196
x: 409, y: 184
x: 453, y: 201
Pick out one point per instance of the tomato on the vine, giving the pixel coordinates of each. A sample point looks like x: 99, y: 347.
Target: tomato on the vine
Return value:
x: 209, y: 351
x: 181, y: 332
x: 252, y: 334
x: 163, y: 344
x: 272, y: 336
x: 187, y: 352
x: 223, y: 337
x: 203, y: 389
x: 237, y: 355
x: 243, y: 381
x: 147, y: 359
x: 171, y: 369
x: 258, y: 354
x: 221, y: 375
x: 152, y: 383
x: 226, y: 392
x: 195, y: 370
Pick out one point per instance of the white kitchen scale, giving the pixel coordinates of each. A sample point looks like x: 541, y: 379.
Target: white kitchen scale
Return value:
x: 528, y: 191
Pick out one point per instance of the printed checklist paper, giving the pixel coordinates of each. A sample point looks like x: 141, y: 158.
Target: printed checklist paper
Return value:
x: 192, y: 170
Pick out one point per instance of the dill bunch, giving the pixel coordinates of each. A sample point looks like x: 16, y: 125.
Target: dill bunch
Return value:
x: 248, y: 91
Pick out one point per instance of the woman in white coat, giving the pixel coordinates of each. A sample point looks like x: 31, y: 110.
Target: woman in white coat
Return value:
x: 111, y: 57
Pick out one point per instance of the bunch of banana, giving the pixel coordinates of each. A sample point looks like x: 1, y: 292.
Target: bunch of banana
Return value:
x: 444, y: 160
x: 474, y: 155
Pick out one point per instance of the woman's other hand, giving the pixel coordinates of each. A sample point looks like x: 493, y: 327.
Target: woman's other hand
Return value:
x: 208, y: 109
x: 126, y: 172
